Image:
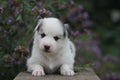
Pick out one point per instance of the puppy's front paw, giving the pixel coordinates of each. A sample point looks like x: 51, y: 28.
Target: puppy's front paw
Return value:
x: 38, y: 73
x: 68, y: 73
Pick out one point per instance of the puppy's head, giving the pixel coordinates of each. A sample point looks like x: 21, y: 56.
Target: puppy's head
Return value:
x: 51, y: 35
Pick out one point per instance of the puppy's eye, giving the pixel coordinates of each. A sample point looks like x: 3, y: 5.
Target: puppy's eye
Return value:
x: 43, y: 35
x: 56, y: 38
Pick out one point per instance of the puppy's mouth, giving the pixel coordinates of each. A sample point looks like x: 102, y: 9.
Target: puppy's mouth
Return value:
x: 47, y: 51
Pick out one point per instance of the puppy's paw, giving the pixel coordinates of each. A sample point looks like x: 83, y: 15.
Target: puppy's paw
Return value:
x: 38, y: 73
x: 68, y: 73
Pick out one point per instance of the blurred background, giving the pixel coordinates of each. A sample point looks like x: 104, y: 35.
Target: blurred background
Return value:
x: 95, y: 29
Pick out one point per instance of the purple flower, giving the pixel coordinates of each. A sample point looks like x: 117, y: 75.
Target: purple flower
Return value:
x: 71, y: 16
x: 9, y: 20
x: 79, y: 44
x: 107, y: 76
x: 119, y: 76
x: 80, y: 15
x: 96, y: 50
x: 114, y: 76
x: 86, y: 23
x: 111, y: 58
x: 39, y: 3
x: 85, y: 15
x: 105, y: 59
x: 80, y: 8
x: 34, y: 8
x: 13, y: 61
x: 82, y: 60
x: 19, y: 62
x: 40, y: 11
x: 44, y: 12
x: 111, y: 76
x: 17, y: 11
x: 75, y: 33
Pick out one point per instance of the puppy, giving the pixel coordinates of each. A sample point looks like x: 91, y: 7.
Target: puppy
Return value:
x: 52, y: 49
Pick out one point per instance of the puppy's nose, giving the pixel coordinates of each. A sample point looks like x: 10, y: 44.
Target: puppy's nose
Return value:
x: 47, y: 47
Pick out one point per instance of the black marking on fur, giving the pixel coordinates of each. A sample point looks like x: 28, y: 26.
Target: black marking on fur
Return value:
x: 71, y: 48
x: 64, y: 34
x: 31, y: 45
x: 39, y: 27
x: 67, y: 31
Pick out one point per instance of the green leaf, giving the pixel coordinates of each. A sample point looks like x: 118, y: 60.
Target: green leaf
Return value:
x: 19, y: 17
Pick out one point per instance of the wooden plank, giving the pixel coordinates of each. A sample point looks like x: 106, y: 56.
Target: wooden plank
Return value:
x: 87, y: 74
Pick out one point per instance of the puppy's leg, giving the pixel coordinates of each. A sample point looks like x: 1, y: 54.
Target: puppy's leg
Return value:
x: 67, y: 70
x: 38, y: 70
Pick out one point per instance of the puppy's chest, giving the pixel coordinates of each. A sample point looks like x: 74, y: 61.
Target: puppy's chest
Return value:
x: 52, y: 64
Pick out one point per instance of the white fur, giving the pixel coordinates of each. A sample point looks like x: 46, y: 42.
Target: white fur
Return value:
x: 62, y: 52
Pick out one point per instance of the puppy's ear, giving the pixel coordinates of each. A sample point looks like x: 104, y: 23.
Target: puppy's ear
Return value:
x: 66, y: 30
x: 38, y: 25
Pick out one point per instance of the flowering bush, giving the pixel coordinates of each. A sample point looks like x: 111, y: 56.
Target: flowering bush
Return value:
x: 18, y: 19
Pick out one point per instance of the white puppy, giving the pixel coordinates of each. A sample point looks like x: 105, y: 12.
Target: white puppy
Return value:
x: 52, y: 49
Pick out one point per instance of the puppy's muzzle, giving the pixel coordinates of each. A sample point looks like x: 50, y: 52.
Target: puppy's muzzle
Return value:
x: 46, y: 48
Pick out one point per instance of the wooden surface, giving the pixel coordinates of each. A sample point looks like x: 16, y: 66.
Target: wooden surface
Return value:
x: 87, y: 74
